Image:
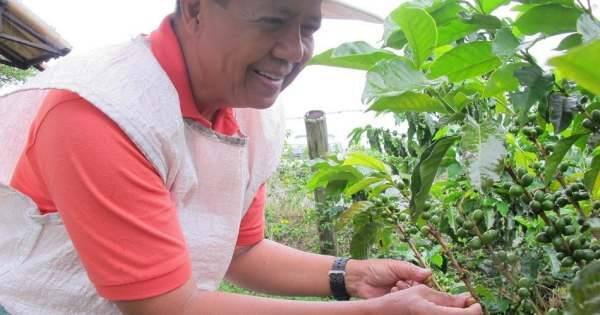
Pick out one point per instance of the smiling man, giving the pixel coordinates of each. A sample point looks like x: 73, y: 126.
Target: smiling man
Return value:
x: 132, y: 179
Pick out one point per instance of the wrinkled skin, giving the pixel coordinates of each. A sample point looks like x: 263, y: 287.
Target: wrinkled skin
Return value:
x: 245, y: 53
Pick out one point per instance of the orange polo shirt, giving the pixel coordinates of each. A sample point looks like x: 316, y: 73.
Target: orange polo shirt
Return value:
x: 113, y: 203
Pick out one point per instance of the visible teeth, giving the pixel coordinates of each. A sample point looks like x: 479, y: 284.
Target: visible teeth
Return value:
x: 268, y: 76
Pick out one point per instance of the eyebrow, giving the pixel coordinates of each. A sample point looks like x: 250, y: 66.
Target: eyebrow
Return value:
x: 291, y: 14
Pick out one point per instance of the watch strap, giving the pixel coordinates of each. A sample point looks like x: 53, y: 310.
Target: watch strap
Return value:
x: 337, y: 279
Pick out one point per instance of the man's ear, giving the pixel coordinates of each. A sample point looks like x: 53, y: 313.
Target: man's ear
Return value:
x: 189, y: 13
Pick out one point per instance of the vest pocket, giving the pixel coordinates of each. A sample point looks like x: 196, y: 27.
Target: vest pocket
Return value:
x: 21, y: 226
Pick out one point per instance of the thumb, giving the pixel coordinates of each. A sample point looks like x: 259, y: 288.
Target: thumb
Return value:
x: 407, y: 271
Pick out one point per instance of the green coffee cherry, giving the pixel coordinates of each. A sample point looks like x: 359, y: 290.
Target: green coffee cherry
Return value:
x: 588, y: 124
x: 547, y: 205
x: 462, y: 233
x: 542, y: 238
x: 535, y: 206
x: 539, y: 196
x: 521, y: 172
x: 523, y: 292
x: 489, y: 236
x: 516, y: 190
x: 550, y: 231
x: 563, y: 167
x: 575, y: 243
x: 475, y: 243
x: 435, y: 220
x: 525, y: 282
x: 469, y: 225
x: 567, y: 262
x: 477, y: 215
x: 549, y: 147
x: 512, y: 258
x: 596, y: 205
x: 569, y: 230
x: 527, y: 180
x: 562, y: 201
x: 596, y: 116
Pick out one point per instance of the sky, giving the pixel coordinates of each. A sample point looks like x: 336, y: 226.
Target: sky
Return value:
x: 88, y: 25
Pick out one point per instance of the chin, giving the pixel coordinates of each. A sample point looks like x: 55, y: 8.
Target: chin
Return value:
x: 260, y: 103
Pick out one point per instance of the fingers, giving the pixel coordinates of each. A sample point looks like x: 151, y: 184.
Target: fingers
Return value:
x: 474, y: 309
x: 408, y: 271
x: 444, y: 299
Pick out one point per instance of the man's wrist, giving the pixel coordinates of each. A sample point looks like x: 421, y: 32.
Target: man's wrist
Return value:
x: 354, y: 275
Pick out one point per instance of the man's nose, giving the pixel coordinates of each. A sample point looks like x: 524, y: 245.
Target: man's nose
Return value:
x: 289, y: 46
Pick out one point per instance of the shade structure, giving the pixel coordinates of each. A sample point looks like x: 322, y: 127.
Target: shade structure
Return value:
x: 25, y: 39
x: 337, y: 9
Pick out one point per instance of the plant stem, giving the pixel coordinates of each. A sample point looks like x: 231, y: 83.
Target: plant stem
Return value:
x: 464, y: 275
x: 417, y: 254
x: 559, y: 177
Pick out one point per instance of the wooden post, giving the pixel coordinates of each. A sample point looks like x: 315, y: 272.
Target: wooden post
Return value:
x: 318, y: 147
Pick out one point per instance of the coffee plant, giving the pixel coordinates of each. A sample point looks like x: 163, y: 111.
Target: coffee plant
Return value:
x: 495, y: 184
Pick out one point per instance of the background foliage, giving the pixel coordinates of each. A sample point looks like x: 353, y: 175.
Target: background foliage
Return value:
x: 491, y: 177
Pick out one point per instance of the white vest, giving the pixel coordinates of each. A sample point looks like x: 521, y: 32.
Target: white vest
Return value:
x: 212, y: 178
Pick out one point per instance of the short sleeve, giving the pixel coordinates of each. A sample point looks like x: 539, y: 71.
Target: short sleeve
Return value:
x: 113, y: 203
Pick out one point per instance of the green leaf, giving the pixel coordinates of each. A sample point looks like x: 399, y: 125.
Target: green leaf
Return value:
x: 393, y: 36
x: 443, y: 12
x: 356, y: 55
x: 408, y: 102
x: 549, y: 19
x: 362, y: 240
x: 348, y: 214
x: 362, y: 159
x: 505, y: 44
x: 361, y: 184
x: 581, y: 65
x: 588, y: 27
x: 591, y: 179
x: 483, y: 151
x: 484, y: 21
x: 570, y: 41
x: 490, y: 5
x: 554, y: 262
x: 420, y: 31
x: 585, y: 291
x: 424, y: 173
x: 465, y: 61
x: 334, y: 173
x: 453, y: 31
x: 536, y: 84
x: 503, y: 80
x: 562, y: 109
x: 393, y: 78
x: 560, y: 150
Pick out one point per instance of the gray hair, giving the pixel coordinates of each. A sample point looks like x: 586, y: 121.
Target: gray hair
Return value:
x: 222, y: 3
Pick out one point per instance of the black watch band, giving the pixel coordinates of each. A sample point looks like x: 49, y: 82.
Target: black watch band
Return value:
x: 337, y: 279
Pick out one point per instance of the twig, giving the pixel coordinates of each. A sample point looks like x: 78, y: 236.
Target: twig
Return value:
x: 417, y: 254
x: 464, y: 275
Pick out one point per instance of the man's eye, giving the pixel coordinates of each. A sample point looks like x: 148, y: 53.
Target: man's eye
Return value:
x: 274, y: 21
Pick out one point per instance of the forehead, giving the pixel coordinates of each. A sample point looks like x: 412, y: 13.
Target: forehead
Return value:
x: 307, y: 9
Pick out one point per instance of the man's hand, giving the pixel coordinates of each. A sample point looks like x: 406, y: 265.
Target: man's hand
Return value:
x: 376, y: 277
x: 422, y: 300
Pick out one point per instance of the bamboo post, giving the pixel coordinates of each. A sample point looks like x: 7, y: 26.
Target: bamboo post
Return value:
x: 318, y: 147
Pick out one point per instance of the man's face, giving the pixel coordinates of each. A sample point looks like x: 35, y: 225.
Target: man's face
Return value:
x: 250, y: 50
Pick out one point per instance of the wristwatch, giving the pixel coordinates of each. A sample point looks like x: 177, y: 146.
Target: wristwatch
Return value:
x: 337, y: 279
